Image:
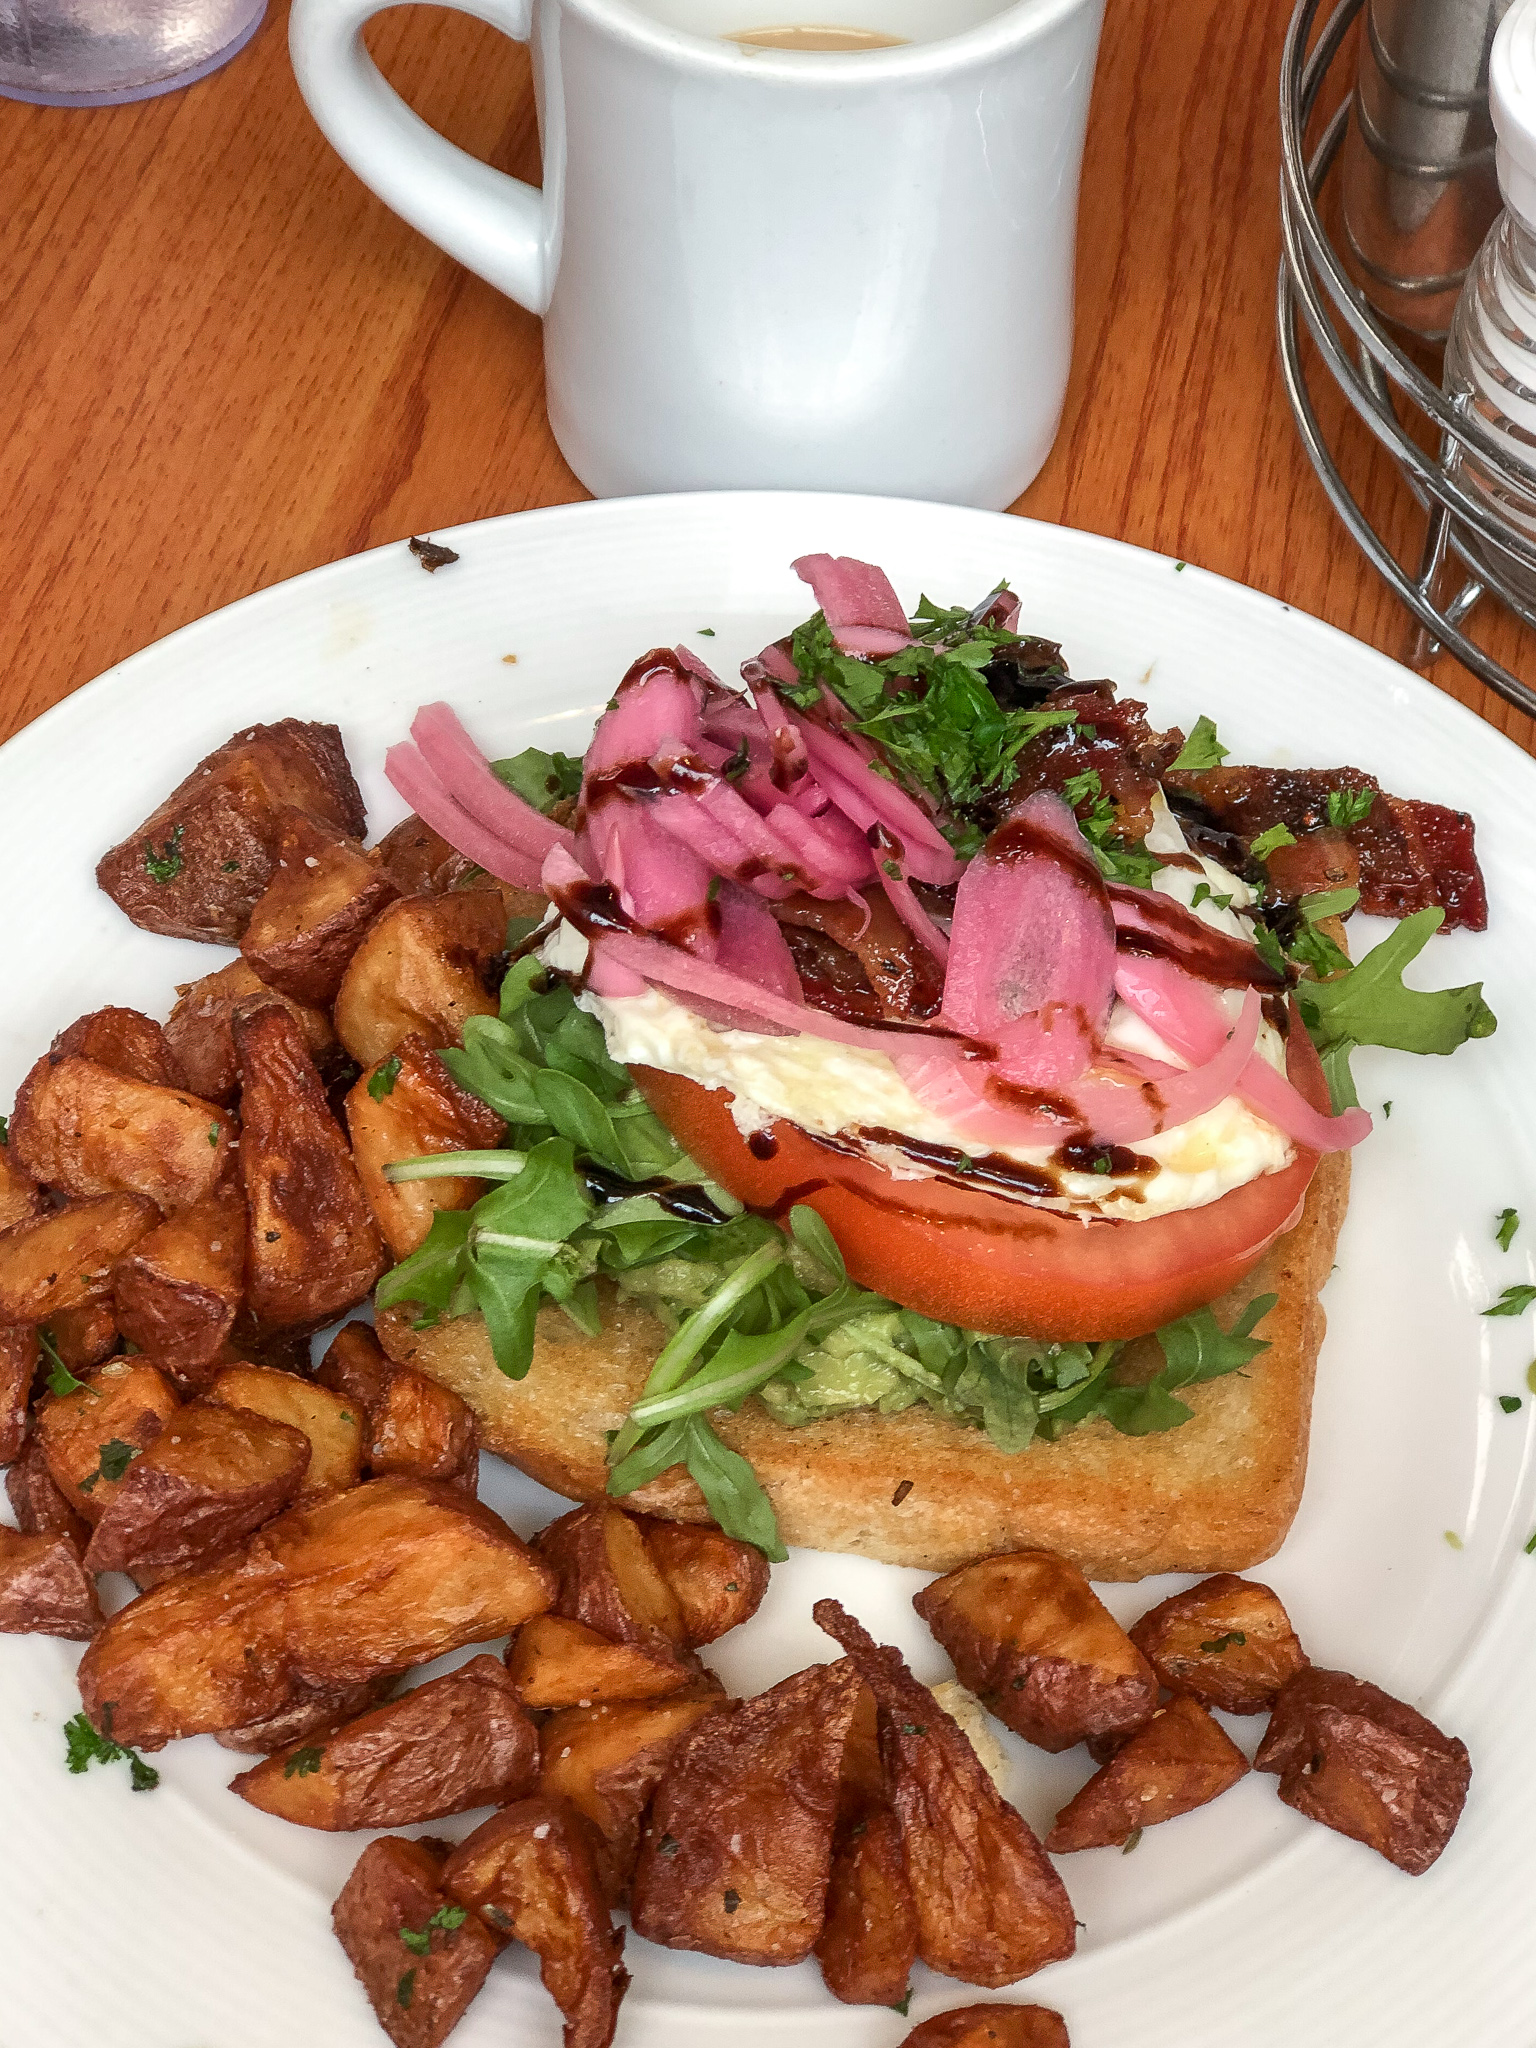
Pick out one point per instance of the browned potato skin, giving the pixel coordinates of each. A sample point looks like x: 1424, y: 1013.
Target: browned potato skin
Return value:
x: 735, y: 1855
x: 421, y: 968
x: 424, y: 1111
x: 1242, y: 1678
x: 39, y: 1507
x: 323, y: 895
x: 453, y: 1744
x: 419, y: 860
x: 126, y: 1399
x: 412, y: 1424
x: 1367, y: 1765
x: 610, y: 1581
x: 990, y: 1908
x: 396, y: 1884
x: 531, y: 1872
x: 211, y: 1477
x: 177, y: 1292
x: 312, y: 1249
x: 85, y: 1336
x: 869, y: 1942
x: 307, y: 1715
x: 63, y: 1259
x: 1180, y: 1760
x: 717, y: 1581
x: 229, y: 811
x: 554, y: 1662
x: 608, y: 1758
x: 20, y: 1196
x: 334, y: 1431
x: 1030, y: 1637
x: 200, y: 1035
x: 19, y: 1354
x: 84, y: 1130
x: 44, y: 1588
x: 126, y: 1041
x: 992, y: 2026
x: 366, y: 1584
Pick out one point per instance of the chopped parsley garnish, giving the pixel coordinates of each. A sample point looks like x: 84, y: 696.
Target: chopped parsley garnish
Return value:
x: 84, y: 1745
x: 1347, y: 807
x: 419, y: 1939
x: 5, y: 1130
x: 116, y: 1456
x: 383, y: 1082
x: 540, y: 779
x: 167, y: 864
x: 1202, y: 749
x: 731, y: 1900
x: 1119, y: 862
x: 1509, y: 1223
x: 1233, y: 1639
x: 1510, y: 1403
x: 1530, y: 1544
x: 1454, y: 1540
x: 405, y: 1990
x: 1530, y: 1376
x: 1386, y: 1109
x: 1514, y: 1301
x: 1271, y: 841
x: 904, y: 2005
x: 706, y: 632
x: 60, y: 1380
x: 1132, y: 1841
x: 213, y: 1136
x: 1204, y: 893
x: 303, y: 1763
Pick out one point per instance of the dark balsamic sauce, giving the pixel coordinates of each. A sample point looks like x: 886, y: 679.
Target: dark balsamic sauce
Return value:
x: 763, y: 1145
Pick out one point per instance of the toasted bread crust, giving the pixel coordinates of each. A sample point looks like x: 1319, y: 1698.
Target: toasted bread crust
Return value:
x: 1217, y: 1494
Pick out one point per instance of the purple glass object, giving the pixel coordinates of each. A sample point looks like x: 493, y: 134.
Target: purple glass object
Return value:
x: 101, y: 53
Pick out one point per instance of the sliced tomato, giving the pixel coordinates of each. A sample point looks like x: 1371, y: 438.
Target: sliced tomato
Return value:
x: 962, y: 1255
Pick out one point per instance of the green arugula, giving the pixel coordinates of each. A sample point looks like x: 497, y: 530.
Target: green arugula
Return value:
x: 1202, y: 749
x: 1514, y: 1301
x: 540, y: 779
x: 85, y: 1745
x: 1313, y: 948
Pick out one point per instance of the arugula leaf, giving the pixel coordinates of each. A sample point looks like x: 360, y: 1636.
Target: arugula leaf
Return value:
x: 1269, y: 842
x: 1504, y: 1236
x: 1347, y: 807
x: 1514, y: 1301
x: 1202, y: 749
x: 1369, y: 1005
x: 538, y: 778
x: 1195, y: 1348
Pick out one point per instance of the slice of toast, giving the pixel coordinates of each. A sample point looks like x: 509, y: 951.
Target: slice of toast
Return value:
x: 1216, y: 1494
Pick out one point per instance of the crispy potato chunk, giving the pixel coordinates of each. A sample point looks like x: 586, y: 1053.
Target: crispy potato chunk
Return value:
x: 211, y: 1477
x: 404, y: 1106
x: 453, y: 1744
x: 177, y: 1292
x: 84, y: 1336
x: 990, y: 1909
x: 39, y: 1507
x: 306, y: 1715
x: 63, y: 1259
x: 869, y: 1943
x: 125, y: 1402
x: 20, y: 1196
x: 610, y: 1581
x: 1227, y: 1641
x: 608, y: 1758
x: 126, y: 1041
x: 421, y: 968
x: 1181, y: 1759
x: 323, y: 895
x: 992, y: 2026
x: 355, y: 1365
x: 44, y: 1588
x: 419, y: 860
x: 84, y: 1130
x: 334, y: 1430
x: 419, y: 1991
x: 531, y: 1872
x: 197, y: 864
x: 412, y: 1424
x: 554, y: 1662
x: 735, y: 1856
x: 312, y: 1250
x: 1033, y: 1641
x: 1367, y: 1765
x: 200, y: 1035
x: 19, y: 1353
x: 717, y: 1581
x: 366, y: 1584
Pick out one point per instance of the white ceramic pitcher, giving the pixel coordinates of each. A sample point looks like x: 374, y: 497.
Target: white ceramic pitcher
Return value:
x: 764, y: 268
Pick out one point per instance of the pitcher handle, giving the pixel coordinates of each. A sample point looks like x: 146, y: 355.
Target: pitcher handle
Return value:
x: 494, y: 224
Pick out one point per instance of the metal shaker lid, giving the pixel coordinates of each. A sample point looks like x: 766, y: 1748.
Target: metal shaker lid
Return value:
x: 1512, y: 99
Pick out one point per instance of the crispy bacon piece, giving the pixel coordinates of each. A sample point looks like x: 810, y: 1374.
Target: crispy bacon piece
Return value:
x: 860, y: 962
x: 1111, y: 737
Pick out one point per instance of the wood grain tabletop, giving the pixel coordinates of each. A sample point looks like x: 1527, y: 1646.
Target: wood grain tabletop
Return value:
x: 222, y: 361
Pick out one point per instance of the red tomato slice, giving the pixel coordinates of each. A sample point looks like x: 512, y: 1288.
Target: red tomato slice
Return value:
x: 964, y: 1256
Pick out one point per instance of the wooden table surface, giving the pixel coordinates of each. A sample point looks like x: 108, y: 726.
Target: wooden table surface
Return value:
x: 222, y: 361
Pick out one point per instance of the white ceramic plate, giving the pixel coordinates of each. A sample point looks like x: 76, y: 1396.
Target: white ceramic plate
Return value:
x: 183, y: 1919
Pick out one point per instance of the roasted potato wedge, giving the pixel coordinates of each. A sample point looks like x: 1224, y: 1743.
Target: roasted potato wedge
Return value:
x: 554, y: 1662
x: 307, y: 1716
x: 64, y: 1258
x: 91, y: 1437
x: 199, y: 1031
x: 312, y: 1249
x: 177, y: 1292
x: 735, y: 1855
x: 420, y: 861
x: 1367, y: 1765
x: 450, y: 1745
x: 419, y: 1990
x: 20, y: 1196
x: 868, y: 1945
x: 1033, y: 1641
x: 354, y: 1365
x: 532, y: 1872
x: 406, y: 1105
x: 211, y: 1477
x: 19, y: 1353
x: 196, y: 866
x: 85, y: 1336
x: 126, y: 1041
x: 44, y: 1588
x: 363, y: 1585
x: 992, y: 2026
x: 334, y: 1430
x: 607, y: 1760
x: 412, y: 1425
x: 323, y: 895
x: 83, y: 1130
x: 610, y: 1581
x: 1227, y: 1641
x: 1178, y: 1760
x: 36, y: 1502
x: 423, y: 967
x: 717, y: 1581
x: 990, y: 1908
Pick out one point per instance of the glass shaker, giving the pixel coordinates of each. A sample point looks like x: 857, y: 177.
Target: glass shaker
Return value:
x: 99, y: 53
